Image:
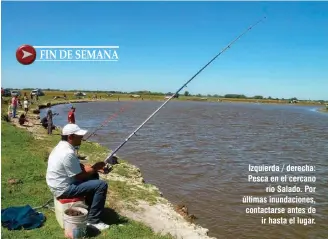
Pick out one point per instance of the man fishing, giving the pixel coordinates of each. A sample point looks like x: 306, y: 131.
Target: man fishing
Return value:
x: 49, y: 120
x: 67, y: 178
x: 45, y: 120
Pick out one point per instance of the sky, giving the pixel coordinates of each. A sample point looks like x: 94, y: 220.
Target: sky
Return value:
x: 163, y: 44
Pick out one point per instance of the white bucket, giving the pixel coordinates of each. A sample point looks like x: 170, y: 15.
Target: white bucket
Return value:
x: 75, y: 226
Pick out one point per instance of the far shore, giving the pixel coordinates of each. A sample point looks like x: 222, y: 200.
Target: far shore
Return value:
x: 44, y: 103
x: 57, y: 97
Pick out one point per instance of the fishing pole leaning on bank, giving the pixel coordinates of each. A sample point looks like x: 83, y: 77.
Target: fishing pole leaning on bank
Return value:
x: 109, y: 159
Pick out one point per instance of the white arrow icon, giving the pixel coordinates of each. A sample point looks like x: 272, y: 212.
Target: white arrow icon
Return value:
x: 26, y: 54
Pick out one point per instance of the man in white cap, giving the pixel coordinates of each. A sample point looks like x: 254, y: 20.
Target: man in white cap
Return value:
x: 67, y: 178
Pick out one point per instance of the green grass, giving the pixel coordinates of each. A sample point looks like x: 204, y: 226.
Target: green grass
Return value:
x: 131, y: 193
x: 125, y: 170
x: 25, y: 158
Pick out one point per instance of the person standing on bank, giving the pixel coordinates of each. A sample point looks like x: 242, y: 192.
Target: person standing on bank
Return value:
x: 49, y: 119
x: 14, y: 103
x: 25, y: 105
x: 68, y: 178
x: 25, y: 96
x: 71, y: 115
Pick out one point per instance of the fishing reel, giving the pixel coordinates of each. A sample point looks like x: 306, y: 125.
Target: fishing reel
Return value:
x: 109, y: 164
x: 108, y: 168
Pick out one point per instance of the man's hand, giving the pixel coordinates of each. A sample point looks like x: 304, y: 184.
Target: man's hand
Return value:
x: 86, y: 167
x: 99, y: 166
x: 103, y: 171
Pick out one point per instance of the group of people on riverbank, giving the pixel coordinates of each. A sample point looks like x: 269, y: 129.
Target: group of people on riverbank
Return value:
x: 47, y: 121
x: 66, y: 177
x: 13, y: 106
x: 14, y: 103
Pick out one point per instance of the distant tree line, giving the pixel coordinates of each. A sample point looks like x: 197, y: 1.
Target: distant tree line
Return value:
x: 186, y: 93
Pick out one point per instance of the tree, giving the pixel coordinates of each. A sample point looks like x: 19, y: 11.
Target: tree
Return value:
x: 258, y: 97
x: 186, y: 93
x: 235, y: 96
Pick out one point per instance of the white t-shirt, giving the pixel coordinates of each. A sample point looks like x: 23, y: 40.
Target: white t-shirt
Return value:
x: 25, y: 104
x: 63, y: 165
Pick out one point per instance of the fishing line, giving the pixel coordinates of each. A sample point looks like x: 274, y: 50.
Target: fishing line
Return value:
x: 113, y: 116
x: 109, y: 159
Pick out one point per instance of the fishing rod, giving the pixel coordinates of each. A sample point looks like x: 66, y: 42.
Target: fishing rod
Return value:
x: 109, y: 158
x: 113, y: 116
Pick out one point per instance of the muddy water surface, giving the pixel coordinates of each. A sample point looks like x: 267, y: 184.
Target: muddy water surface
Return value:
x: 198, y: 153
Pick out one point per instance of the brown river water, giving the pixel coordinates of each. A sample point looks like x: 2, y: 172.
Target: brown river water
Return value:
x: 198, y: 154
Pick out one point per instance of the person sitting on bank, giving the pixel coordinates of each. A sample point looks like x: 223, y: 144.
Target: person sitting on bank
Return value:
x: 67, y: 178
x: 22, y: 119
x: 44, y: 122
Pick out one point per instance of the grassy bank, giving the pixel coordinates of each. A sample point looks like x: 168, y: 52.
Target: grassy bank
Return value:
x: 24, y: 158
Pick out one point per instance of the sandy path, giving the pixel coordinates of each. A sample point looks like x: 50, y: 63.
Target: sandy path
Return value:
x: 162, y: 218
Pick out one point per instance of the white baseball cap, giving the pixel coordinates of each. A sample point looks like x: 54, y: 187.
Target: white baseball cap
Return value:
x: 73, y: 129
